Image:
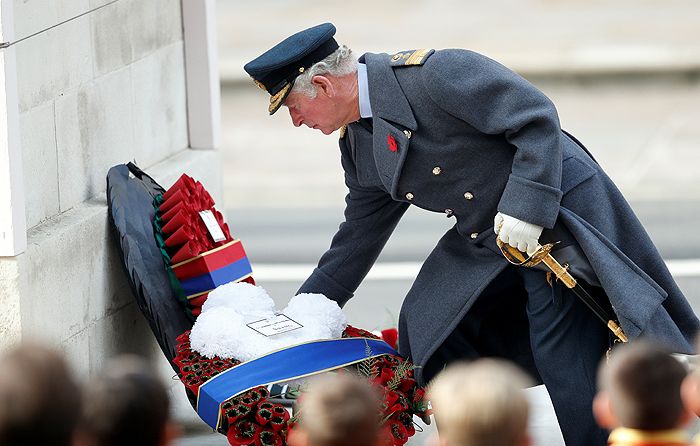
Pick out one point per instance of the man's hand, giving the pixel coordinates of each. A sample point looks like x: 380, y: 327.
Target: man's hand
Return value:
x: 517, y: 233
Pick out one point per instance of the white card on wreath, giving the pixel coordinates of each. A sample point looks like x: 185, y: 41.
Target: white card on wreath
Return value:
x: 212, y: 225
x: 274, y: 325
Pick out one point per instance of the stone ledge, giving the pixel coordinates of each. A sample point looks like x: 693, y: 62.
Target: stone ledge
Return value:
x: 68, y: 288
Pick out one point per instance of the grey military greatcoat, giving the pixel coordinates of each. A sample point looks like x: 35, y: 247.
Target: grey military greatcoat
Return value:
x: 461, y: 135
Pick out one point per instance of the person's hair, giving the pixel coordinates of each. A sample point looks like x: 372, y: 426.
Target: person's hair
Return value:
x: 339, y: 63
x: 126, y: 405
x: 339, y: 410
x: 643, y: 384
x: 481, y: 403
x: 39, y: 399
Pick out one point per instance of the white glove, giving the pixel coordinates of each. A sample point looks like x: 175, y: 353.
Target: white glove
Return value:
x: 517, y: 233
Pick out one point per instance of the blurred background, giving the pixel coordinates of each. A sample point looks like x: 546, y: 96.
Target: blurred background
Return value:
x: 625, y: 77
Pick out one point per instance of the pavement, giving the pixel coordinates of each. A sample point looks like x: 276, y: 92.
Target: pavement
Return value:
x: 624, y: 76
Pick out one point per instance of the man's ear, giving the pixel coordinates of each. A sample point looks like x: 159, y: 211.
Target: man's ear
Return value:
x: 603, y: 413
x: 324, y: 85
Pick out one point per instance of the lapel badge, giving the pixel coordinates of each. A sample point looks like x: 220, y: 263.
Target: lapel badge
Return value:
x: 392, y: 143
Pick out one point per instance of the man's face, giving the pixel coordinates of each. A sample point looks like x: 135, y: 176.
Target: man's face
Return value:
x: 320, y: 113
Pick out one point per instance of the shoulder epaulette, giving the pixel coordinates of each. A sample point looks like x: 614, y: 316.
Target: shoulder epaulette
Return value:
x: 411, y: 57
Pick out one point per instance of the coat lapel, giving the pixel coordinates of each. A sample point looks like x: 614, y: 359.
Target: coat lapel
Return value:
x: 392, y: 119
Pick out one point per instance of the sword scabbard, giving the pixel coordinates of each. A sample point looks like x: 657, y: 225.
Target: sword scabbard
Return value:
x: 617, y: 330
x: 561, y: 272
x: 514, y: 256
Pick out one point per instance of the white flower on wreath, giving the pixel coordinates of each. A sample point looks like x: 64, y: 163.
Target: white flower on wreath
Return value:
x: 221, y: 330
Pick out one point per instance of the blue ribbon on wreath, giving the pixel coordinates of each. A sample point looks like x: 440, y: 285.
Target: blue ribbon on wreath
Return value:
x: 294, y: 362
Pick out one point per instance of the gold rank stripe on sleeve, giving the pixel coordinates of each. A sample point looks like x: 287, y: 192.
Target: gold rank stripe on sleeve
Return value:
x: 411, y: 58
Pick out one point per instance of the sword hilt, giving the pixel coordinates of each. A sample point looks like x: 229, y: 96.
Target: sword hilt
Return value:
x: 543, y: 255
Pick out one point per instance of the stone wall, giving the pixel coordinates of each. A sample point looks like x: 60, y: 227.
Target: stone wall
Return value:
x: 99, y: 83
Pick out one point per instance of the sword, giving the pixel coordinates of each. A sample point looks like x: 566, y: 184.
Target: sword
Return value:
x: 542, y: 255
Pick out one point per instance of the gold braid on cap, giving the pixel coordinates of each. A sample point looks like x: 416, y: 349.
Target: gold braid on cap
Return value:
x: 259, y: 84
x: 277, y: 98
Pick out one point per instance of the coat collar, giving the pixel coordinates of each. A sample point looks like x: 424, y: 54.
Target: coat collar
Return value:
x: 385, y: 94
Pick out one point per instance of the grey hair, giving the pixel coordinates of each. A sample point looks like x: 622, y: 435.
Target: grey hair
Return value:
x: 339, y: 63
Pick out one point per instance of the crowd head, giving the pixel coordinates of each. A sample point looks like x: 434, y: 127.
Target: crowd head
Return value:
x: 126, y: 405
x: 337, y: 410
x: 41, y: 403
x: 39, y: 398
x: 639, y: 388
x: 481, y: 404
x: 642, y: 388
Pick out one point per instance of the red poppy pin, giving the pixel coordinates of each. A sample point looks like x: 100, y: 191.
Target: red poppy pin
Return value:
x: 392, y: 143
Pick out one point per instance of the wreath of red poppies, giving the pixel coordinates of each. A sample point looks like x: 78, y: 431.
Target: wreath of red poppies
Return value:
x: 251, y: 419
x: 190, y: 250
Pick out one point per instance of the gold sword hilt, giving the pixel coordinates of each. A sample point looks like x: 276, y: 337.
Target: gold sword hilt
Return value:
x: 543, y: 255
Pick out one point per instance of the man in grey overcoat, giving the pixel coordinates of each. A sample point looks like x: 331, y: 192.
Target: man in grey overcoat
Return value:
x: 456, y: 133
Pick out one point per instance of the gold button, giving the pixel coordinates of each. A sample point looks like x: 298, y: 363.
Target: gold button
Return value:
x: 474, y: 235
x: 409, y: 196
x: 396, y: 57
x: 449, y: 212
x: 468, y: 195
x: 437, y: 170
x: 301, y: 69
x: 407, y: 133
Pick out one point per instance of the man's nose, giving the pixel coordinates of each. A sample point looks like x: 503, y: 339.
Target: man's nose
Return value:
x: 296, y: 118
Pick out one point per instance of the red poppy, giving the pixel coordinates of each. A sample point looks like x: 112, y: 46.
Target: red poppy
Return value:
x: 398, y: 431
x: 268, y: 437
x: 392, y: 143
x: 277, y: 423
x: 184, y: 337
x: 407, y: 420
x: 243, y: 432
x: 418, y: 395
x: 391, y: 337
x: 407, y: 384
x: 263, y: 416
x: 384, y: 377
x: 242, y: 411
x: 354, y: 332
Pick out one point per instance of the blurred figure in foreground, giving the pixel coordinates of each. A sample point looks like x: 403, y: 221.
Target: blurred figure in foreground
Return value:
x: 39, y: 399
x: 640, y: 397
x: 690, y: 389
x: 126, y: 405
x: 337, y: 410
x: 481, y: 404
